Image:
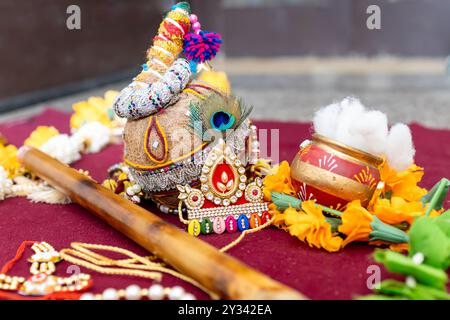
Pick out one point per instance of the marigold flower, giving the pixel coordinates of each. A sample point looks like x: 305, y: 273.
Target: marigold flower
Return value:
x: 3, y: 140
x: 309, y: 225
x: 94, y: 109
x: 40, y: 136
x: 279, y: 181
x: 217, y: 79
x: 359, y: 225
x: 355, y: 223
x: 279, y: 217
x: 399, y: 247
x: 403, y: 184
x: 9, y: 161
x: 396, y: 210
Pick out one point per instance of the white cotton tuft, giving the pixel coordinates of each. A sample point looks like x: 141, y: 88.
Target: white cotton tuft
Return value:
x: 372, y: 130
x: 350, y: 123
x: 351, y: 111
x: 400, y: 149
x: 325, y: 120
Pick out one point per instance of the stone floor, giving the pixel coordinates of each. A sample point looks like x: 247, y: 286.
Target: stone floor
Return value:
x: 291, y: 89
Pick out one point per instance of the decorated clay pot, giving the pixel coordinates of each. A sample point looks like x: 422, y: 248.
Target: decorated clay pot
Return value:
x: 162, y: 150
x: 174, y: 117
x: 333, y: 173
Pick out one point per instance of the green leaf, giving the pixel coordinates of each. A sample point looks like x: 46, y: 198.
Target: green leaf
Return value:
x: 393, y: 288
x: 284, y: 201
x: 428, y: 238
x: 385, y: 232
x: 427, y: 198
x: 443, y: 222
x: 425, y: 274
x: 417, y: 292
x: 439, y: 191
x: 379, y: 297
x: 334, y: 222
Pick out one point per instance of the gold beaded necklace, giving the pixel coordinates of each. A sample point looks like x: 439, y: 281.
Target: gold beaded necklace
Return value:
x: 44, y: 285
x: 146, y: 267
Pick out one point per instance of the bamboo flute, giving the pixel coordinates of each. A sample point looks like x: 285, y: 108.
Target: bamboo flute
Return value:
x: 222, y: 274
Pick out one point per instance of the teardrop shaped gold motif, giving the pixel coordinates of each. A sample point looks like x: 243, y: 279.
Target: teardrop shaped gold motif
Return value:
x: 155, y: 141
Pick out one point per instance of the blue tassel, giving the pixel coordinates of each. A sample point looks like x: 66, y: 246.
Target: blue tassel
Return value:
x: 193, y: 66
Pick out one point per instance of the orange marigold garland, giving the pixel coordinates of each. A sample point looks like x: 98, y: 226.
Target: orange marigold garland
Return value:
x: 397, y: 202
x: 356, y: 223
x: 310, y: 225
x: 397, y: 210
x: 403, y: 184
x: 279, y: 181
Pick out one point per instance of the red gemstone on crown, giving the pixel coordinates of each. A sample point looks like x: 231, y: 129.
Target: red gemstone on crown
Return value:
x: 223, y: 178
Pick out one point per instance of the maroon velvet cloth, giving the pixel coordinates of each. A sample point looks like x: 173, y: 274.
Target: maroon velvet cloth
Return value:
x: 314, y: 272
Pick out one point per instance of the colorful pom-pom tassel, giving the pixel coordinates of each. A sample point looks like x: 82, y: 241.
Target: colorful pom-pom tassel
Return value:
x: 201, y: 47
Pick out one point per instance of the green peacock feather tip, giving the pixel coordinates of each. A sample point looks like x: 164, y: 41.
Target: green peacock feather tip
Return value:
x: 217, y: 113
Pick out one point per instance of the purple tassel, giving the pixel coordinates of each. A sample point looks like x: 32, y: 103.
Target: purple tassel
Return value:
x: 201, y: 47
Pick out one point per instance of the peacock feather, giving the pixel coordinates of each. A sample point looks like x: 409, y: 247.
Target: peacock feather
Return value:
x: 217, y: 113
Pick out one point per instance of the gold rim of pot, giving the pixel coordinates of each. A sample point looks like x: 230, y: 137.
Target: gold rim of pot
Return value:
x: 346, y: 150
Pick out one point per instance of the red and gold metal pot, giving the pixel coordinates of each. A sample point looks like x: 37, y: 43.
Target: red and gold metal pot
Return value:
x: 333, y: 173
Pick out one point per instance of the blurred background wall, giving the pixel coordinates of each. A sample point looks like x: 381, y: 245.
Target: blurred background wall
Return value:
x: 329, y: 27
x: 41, y: 59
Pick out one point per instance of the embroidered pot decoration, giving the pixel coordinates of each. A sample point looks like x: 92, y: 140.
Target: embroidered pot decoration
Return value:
x: 225, y: 200
x: 155, y: 144
x: 137, y: 101
x: 333, y: 173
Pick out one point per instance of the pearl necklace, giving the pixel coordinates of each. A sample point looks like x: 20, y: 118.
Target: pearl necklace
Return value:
x: 44, y: 284
x: 149, y: 267
x: 134, y: 292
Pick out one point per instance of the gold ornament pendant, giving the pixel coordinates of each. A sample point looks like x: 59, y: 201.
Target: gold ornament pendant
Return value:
x: 42, y: 283
x: 225, y: 200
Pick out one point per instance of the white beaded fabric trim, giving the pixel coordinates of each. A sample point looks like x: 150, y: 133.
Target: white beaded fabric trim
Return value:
x: 188, y: 170
x: 136, y: 102
x: 167, y: 180
x: 235, y: 210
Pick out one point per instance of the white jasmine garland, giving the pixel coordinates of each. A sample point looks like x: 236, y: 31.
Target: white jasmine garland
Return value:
x: 62, y: 148
x: 47, y: 194
x: 93, y: 136
x: 5, y: 184
x: 90, y: 138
